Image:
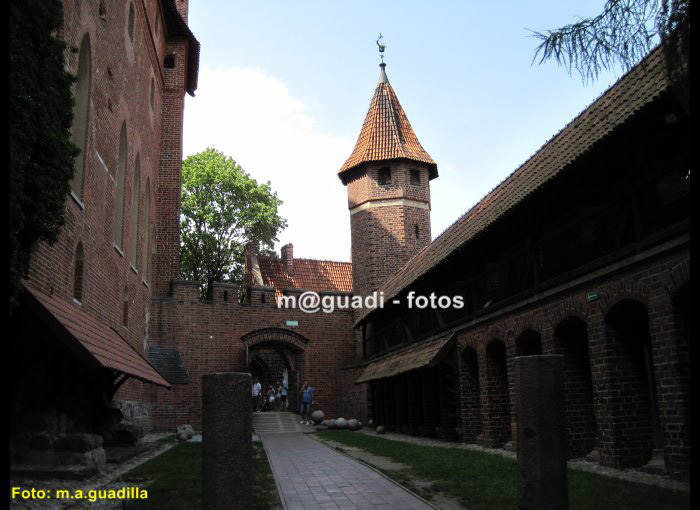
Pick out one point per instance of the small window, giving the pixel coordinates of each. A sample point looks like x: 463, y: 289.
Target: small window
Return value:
x: 384, y: 176
x: 415, y: 176
x: 125, y: 308
x: 417, y: 232
x: 132, y: 15
x: 78, y: 276
x: 146, y: 231
x: 169, y: 61
x: 157, y: 21
x: 153, y: 94
x: 119, y: 199
x: 102, y: 11
x: 135, y: 202
x: 225, y: 296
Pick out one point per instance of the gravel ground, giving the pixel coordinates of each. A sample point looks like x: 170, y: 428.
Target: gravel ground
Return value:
x: 631, y: 475
x: 103, y: 481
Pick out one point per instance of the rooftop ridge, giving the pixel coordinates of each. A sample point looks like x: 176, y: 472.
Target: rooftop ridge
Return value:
x: 647, y: 79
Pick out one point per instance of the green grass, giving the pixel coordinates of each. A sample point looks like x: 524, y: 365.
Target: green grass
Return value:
x: 480, y: 481
x: 174, y: 480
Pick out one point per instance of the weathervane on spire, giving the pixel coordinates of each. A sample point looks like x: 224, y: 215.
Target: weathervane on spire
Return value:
x: 382, y: 46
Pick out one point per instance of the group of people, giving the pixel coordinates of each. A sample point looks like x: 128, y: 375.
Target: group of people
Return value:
x: 275, y: 399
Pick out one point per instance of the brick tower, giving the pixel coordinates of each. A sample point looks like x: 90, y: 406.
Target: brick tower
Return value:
x: 388, y: 179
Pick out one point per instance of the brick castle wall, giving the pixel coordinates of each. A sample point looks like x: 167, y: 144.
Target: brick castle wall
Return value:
x: 210, y: 337
x: 607, y: 397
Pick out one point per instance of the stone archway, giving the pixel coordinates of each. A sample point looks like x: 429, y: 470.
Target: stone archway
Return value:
x: 634, y: 405
x: 272, y: 354
x: 571, y: 340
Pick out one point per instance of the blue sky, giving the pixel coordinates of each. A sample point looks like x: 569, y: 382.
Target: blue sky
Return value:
x: 284, y: 88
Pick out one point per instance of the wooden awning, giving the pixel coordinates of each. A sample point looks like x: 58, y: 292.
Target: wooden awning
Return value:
x: 424, y: 354
x: 95, y: 343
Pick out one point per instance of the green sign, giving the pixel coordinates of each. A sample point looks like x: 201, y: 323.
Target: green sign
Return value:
x: 292, y: 323
x: 592, y: 296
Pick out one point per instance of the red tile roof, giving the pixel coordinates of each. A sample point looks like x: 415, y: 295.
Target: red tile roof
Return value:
x: 386, y: 133
x: 638, y: 88
x: 102, y: 343
x: 309, y: 274
x: 424, y: 354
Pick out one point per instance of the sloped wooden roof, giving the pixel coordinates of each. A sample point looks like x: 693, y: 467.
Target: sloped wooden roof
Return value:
x: 424, y: 354
x: 95, y: 341
x: 641, y: 86
x: 386, y: 133
x: 309, y: 274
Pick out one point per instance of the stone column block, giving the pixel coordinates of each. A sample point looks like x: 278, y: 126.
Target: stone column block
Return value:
x: 541, y: 433
x: 227, y: 441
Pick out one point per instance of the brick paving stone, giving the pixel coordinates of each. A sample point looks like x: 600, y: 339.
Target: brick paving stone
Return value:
x: 312, y: 476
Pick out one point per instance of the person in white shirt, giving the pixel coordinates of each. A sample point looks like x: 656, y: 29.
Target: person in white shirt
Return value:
x: 257, y: 388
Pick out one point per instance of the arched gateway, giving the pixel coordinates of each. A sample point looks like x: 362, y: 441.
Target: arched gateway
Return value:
x: 273, y: 354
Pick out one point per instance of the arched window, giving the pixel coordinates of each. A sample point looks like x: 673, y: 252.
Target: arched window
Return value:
x: 157, y: 21
x: 153, y: 94
x: 119, y: 199
x: 78, y: 275
x: 80, y: 115
x: 132, y: 15
x: 135, y: 202
x: 146, y: 231
x: 125, y: 308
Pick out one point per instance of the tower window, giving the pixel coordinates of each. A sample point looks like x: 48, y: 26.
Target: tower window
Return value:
x: 417, y: 232
x: 415, y: 176
x: 169, y: 61
x: 384, y: 176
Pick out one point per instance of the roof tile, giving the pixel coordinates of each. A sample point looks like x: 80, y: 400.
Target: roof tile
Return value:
x: 309, y: 274
x: 639, y: 87
x: 386, y: 133
x: 103, y: 343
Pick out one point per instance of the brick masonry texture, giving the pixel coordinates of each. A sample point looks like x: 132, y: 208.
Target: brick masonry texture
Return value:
x: 606, y: 414
x: 131, y: 87
x: 210, y: 337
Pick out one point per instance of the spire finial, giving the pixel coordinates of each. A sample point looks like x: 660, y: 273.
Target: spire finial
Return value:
x: 382, y: 47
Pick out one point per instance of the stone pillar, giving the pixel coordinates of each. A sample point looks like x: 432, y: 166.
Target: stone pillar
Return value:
x: 541, y: 437
x: 227, y: 441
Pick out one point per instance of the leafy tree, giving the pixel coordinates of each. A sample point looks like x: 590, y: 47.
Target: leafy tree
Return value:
x: 620, y: 35
x: 41, y: 113
x: 222, y: 208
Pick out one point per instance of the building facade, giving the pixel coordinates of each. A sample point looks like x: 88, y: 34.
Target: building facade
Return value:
x: 583, y: 251
x: 82, y: 328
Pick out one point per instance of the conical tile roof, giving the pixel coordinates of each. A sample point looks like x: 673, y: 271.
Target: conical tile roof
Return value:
x: 386, y: 133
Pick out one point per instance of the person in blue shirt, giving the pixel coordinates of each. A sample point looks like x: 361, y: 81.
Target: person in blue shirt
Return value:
x: 307, y: 398
x: 283, y: 396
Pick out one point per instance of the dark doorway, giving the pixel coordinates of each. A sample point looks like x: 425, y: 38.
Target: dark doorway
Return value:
x: 633, y: 382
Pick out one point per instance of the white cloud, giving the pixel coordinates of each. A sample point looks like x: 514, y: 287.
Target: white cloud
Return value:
x: 253, y: 118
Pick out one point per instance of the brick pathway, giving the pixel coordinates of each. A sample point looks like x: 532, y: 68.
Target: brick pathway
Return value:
x: 312, y: 476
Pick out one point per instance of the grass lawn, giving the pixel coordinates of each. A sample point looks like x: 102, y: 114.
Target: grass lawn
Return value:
x: 480, y: 481
x: 174, y: 480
